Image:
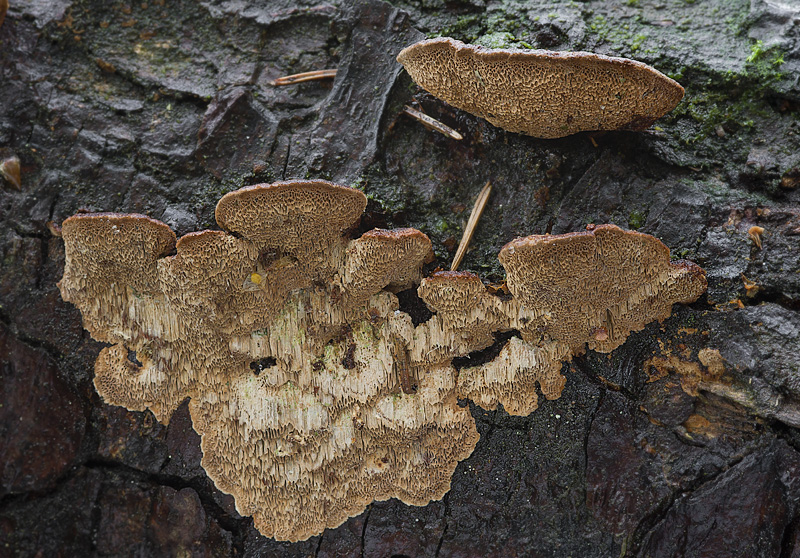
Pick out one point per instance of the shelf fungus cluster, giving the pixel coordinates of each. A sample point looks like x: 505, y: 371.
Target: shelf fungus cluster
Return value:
x: 546, y: 94
x: 570, y: 291
x: 313, y: 393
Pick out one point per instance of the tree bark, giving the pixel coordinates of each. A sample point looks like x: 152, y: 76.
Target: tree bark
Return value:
x: 682, y: 442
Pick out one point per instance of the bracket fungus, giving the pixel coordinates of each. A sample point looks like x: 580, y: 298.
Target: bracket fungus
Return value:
x: 313, y: 439
x: 570, y: 291
x: 546, y: 94
x: 314, y: 395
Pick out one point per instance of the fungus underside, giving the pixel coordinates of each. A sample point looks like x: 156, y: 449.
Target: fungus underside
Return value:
x: 313, y: 394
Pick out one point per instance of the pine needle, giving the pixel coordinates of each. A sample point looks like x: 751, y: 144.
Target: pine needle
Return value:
x: 431, y: 123
x: 472, y: 223
x: 305, y: 76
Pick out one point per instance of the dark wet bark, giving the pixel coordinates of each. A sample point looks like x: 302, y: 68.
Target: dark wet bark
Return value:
x: 161, y: 107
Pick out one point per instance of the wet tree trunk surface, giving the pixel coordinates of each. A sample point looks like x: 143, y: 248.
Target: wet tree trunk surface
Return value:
x: 160, y: 107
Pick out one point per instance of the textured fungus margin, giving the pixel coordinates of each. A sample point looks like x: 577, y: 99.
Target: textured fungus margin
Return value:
x: 570, y: 291
x: 313, y: 394
x: 542, y: 93
x: 310, y: 441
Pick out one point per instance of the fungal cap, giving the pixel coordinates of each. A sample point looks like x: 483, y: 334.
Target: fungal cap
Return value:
x: 382, y: 258
x: 542, y: 93
x: 114, y: 247
x: 604, y: 280
x: 117, y: 227
x: 107, y: 254
x: 290, y: 213
x: 452, y: 291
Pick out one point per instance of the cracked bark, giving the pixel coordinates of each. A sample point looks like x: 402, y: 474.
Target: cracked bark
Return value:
x: 445, y: 500
x: 128, y: 142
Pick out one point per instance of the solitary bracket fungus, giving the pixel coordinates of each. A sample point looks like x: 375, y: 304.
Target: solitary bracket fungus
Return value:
x: 314, y: 395
x: 542, y: 93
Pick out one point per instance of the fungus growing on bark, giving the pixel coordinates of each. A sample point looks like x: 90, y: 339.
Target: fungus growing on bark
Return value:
x: 755, y: 233
x: 570, y: 291
x: 542, y: 93
x: 314, y: 395
x: 330, y: 426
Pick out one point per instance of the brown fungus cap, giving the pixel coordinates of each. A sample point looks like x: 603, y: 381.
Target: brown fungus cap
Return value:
x: 596, y: 286
x: 302, y: 220
x: 111, y: 253
x: 111, y: 236
x: 390, y: 259
x: 542, y: 93
x: 291, y: 214
x: 293, y: 354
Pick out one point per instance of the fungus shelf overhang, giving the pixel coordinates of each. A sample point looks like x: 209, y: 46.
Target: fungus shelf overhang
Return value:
x: 542, y: 93
x: 314, y: 395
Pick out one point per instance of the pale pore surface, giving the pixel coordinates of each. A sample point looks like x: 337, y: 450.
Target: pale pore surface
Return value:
x: 315, y: 437
x: 571, y: 291
x: 313, y: 394
x: 542, y: 93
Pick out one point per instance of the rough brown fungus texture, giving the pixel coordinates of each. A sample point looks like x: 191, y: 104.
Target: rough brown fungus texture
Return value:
x: 542, y: 93
x: 313, y: 393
